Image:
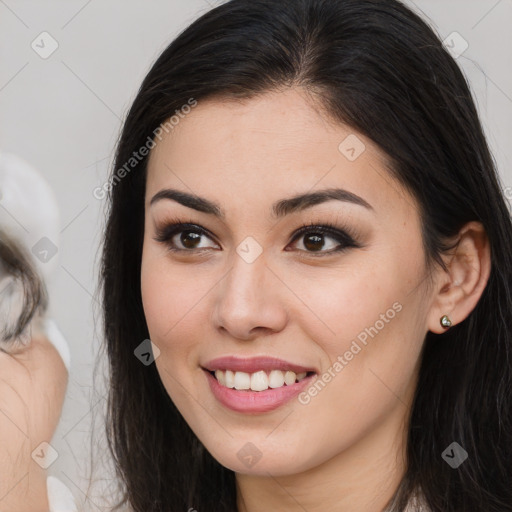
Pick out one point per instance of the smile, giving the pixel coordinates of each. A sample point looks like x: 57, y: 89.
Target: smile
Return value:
x: 258, y: 381
x: 258, y: 384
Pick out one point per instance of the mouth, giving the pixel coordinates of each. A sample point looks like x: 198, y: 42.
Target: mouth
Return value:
x: 258, y: 381
x: 258, y: 384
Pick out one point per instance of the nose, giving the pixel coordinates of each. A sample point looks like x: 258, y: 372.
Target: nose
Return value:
x: 248, y: 301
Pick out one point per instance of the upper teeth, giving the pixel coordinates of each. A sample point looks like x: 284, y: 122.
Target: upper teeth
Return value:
x: 258, y: 381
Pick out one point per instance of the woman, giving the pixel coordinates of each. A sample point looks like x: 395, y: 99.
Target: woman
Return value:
x: 306, y: 222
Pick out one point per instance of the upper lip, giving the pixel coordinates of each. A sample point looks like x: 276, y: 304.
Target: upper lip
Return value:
x: 254, y: 364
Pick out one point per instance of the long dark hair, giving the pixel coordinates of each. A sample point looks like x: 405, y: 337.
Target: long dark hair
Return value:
x: 379, y: 68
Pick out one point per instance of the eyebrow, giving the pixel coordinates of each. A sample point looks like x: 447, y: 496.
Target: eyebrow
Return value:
x: 279, y: 208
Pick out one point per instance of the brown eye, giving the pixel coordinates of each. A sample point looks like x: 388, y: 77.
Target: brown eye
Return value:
x: 314, y: 242
x: 184, y: 237
x: 322, y: 240
x: 190, y: 239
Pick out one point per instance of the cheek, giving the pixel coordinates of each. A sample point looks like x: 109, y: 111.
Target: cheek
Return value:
x: 370, y: 324
x: 171, y: 308
x: 353, y: 302
x: 175, y: 303
x: 171, y: 294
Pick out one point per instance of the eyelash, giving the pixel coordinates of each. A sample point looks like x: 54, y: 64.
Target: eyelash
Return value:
x: 345, y: 238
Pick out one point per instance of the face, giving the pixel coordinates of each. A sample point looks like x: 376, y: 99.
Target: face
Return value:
x: 237, y: 276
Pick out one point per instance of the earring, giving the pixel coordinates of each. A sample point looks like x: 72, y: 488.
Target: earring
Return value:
x: 445, y: 321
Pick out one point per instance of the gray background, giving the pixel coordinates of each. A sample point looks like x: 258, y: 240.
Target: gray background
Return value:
x: 63, y: 114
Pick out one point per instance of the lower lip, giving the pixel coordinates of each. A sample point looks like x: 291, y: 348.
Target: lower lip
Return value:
x: 255, y: 401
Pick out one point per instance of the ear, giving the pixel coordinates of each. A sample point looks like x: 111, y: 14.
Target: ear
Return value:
x: 459, y: 288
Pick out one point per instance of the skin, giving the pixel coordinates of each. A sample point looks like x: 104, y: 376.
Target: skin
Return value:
x: 344, y: 450
x: 32, y: 390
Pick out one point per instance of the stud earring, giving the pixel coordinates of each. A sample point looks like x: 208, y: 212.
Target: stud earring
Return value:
x: 445, y: 321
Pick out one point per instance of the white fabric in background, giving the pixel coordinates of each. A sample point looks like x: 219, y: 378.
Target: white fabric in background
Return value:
x: 60, y: 498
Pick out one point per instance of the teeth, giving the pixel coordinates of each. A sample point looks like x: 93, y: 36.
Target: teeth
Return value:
x: 289, y: 378
x: 219, y: 375
x: 276, y: 379
x: 242, y: 380
x: 229, y: 377
x: 258, y: 381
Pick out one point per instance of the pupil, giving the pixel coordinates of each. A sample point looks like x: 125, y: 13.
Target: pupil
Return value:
x: 314, y: 242
x: 188, y: 238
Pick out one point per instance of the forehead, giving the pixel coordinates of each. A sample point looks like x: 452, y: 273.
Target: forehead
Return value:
x: 275, y: 145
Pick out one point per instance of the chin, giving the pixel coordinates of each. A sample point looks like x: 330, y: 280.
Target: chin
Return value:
x: 258, y: 456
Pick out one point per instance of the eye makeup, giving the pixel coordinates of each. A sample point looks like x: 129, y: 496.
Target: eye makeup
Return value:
x: 167, y: 232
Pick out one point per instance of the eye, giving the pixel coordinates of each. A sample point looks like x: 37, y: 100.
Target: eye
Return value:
x: 185, y: 237
x: 316, y: 240
x: 321, y: 240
